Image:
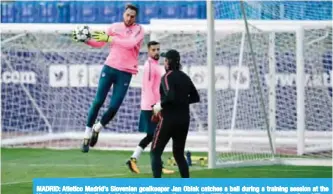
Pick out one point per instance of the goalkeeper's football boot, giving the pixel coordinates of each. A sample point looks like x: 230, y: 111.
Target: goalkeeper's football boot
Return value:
x: 94, y: 138
x: 132, y: 165
x: 85, y: 146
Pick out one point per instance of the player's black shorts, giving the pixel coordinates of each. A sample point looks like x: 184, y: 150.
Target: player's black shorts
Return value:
x: 171, y: 128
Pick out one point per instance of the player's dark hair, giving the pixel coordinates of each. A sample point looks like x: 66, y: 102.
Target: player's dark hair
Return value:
x: 132, y: 7
x: 174, y: 64
x: 152, y: 43
x: 173, y: 58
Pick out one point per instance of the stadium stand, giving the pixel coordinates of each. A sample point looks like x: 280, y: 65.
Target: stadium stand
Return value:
x: 108, y: 11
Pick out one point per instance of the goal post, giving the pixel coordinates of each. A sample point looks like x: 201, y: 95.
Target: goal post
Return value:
x: 211, y: 85
x: 48, y: 82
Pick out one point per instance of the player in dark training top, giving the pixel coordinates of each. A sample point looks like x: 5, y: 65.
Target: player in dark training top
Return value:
x: 177, y: 93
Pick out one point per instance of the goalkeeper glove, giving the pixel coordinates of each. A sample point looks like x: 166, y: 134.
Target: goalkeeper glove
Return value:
x: 101, y: 36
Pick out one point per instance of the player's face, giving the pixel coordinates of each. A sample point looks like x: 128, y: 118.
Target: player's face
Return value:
x: 154, y: 52
x: 129, y: 17
x: 166, y: 64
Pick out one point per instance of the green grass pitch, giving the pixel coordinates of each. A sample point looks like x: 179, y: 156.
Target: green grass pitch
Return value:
x: 20, y: 166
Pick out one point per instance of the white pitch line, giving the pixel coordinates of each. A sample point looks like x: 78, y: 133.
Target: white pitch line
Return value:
x: 51, y: 165
x: 64, y: 165
x: 15, y: 183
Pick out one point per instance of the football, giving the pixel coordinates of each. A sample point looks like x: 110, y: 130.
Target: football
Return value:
x: 82, y: 33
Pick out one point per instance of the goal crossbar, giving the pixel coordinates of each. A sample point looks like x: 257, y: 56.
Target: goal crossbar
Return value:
x: 178, y: 26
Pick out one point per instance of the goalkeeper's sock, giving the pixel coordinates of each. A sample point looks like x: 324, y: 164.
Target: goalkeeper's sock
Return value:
x: 137, y: 152
x: 98, y: 127
x: 87, y: 133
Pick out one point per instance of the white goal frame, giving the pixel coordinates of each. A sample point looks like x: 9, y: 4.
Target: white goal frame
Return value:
x: 297, y: 136
x: 214, y: 137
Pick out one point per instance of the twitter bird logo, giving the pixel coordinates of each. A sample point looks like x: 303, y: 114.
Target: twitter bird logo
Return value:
x: 59, y: 75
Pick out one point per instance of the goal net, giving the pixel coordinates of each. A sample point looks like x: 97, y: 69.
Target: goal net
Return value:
x: 282, y: 96
x: 282, y: 84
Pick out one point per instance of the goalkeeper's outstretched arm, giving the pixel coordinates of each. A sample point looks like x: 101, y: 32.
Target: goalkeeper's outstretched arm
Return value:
x: 100, y: 44
x: 95, y: 44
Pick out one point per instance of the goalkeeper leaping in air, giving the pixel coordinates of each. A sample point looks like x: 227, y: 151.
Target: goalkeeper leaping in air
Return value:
x: 150, y: 95
x: 125, y: 40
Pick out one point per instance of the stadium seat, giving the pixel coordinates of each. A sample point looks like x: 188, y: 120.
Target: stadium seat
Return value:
x: 191, y: 10
x: 147, y: 11
x: 170, y: 10
x: 25, y: 12
x: 87, y: 12
x: 7, y: 12
x: 111, y: 11
x: 48, y: 12
x: 108, y: 12
x: 65, y: 12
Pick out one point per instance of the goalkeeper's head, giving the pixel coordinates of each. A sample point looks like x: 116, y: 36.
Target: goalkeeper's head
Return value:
x: 172, y: 60
x: 154, y: 50
x: 130, y: 14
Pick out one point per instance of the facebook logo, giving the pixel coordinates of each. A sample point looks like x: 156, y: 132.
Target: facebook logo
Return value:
x: 58, y: 76
x: 78, y: 75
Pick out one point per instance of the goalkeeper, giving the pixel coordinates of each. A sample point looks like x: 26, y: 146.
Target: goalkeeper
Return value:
x: 149, y: 96
x: 177, y: 93
x: 125, y: 40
